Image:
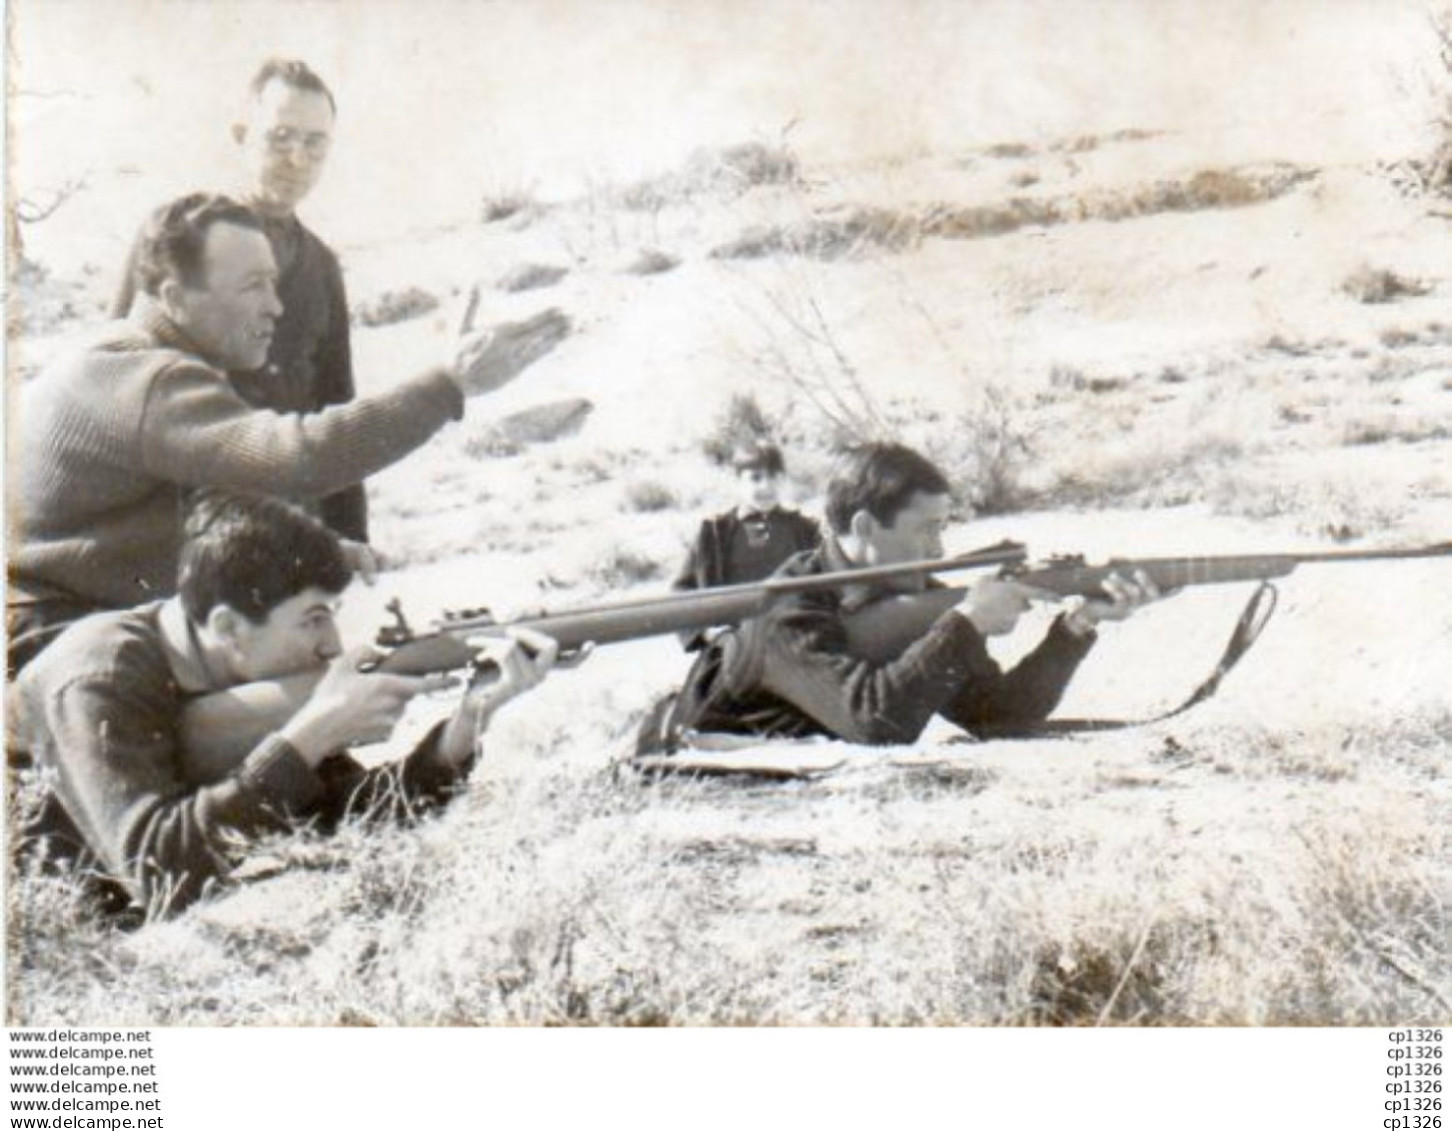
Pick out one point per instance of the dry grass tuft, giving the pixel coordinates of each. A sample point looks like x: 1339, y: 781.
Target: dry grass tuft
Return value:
x: 1378, y: 285
x: 842, y: 233
x: 646, y: 496
x: 395, y: 306
x: 1206, y: 189
x: 530, y: 277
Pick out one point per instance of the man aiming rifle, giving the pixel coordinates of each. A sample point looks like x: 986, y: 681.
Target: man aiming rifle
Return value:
x: 99, y: 711
x: 795, y: 671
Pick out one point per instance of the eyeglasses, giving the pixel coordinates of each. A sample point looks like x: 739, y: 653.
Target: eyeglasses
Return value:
x: 284, y: 139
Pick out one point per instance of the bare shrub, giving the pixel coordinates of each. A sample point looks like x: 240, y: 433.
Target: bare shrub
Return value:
x: 800, y: 348
x: 984, y: 453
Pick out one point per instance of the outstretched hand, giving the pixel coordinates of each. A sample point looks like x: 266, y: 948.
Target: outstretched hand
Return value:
x: 486, y: 360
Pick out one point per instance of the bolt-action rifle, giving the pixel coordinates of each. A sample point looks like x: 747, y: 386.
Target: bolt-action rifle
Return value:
x: 220, y: 729
x: 884, y: 629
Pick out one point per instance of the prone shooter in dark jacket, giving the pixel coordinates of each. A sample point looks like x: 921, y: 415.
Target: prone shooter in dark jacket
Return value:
x: 790, y: 672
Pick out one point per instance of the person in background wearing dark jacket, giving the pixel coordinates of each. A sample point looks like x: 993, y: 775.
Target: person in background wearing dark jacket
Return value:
x: 100, y: 712
x: 284, y: 136
x: 790, y: 673
x: 750, y: 541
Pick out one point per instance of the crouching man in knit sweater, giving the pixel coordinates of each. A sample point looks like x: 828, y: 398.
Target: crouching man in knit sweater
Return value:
x: 111, y: 439
x: 99, y: 712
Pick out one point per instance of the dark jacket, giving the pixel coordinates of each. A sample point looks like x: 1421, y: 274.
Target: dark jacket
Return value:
x: 98, y: 712
x: 789, y: 673
x: 727, y: 553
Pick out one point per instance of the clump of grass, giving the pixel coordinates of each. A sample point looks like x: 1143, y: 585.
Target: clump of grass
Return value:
x: 731, y: 169
x: 652, y: 261
x: 648, y: 495
x: 1396, y: 338
x: 396, y: 306
x: 1076, y: 380
x: 846, y: 233
x: 1391, y: 429
x: 1206, y: 189
x: 1379, y: 285
x: 743, y: 165
x: 1009, y: 150
x: 503, y: 203
x: 491, y: 443
x: 622, y: 566
x: 530, y: 277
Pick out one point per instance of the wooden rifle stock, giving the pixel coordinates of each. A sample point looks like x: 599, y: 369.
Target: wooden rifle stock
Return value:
x: 219, y: 730
x: 884, y: 629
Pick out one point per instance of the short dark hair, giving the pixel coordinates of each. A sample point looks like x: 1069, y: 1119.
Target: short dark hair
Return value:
x: 252, y: 553
x: 881, y: 479
x: 174, y: 238
x: 295, y: 73
x: 761, y: 456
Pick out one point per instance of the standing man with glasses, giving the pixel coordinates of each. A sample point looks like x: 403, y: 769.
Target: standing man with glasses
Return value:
x: 284, y: 135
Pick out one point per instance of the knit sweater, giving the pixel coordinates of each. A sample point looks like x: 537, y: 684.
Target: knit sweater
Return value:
x: 99, y: 711
x: 310, y: 363
x: 116, y: 435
